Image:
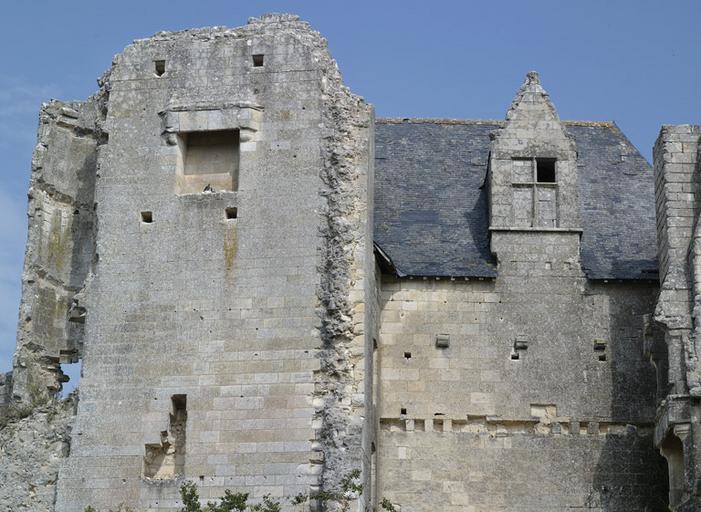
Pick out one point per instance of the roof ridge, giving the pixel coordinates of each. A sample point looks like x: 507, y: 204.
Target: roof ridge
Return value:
x: 434, y: 120
x: 605, y: 124
x: 438, y: 120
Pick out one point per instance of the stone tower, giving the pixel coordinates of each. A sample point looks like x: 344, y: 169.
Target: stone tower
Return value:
x: 203, y: 223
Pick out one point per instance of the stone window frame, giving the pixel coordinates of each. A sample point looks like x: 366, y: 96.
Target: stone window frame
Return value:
x: 244, y: 117
x: 533, y: 184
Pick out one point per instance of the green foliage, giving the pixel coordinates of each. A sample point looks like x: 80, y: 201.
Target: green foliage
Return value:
x: 268, y: 505
x: 230, y: 502
x: 190, y: 497
x: 350, y: 489
x: 121, y: 508
x: 387, y: 505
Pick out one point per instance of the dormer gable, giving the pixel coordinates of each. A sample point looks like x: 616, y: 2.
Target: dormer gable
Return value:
x: 533, y: 166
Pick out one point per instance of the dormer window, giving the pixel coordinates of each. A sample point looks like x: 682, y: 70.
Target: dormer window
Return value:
x: 534, y: 182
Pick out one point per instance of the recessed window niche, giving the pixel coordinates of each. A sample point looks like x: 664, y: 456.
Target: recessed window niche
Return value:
x: 159, y: 67
x: 208, y: 161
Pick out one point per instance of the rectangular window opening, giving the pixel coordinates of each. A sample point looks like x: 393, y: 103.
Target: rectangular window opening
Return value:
x: 534, y: 182
x: 402, y: 411
x: 230, y: 213
x: 179, y: 403
x: 407, y: 355
x: 147, y: 217
x: 258, y: 60
x: 545, y: 170
x: 208, y: 161
x: 159, y: 67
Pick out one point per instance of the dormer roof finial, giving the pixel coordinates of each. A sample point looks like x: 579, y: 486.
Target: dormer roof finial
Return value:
x: 532, y: 77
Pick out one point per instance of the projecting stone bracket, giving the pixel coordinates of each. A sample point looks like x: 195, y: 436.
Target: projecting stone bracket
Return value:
x: 245, y: 117
x: 543, y: 422
x: 673, y: 413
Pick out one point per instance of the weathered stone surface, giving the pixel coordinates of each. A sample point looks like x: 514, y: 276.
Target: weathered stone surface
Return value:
x: 31, y: 451
x: 255, y: 317
x: 60, y: 245
x: 201, y: 238
x: 677, y: 430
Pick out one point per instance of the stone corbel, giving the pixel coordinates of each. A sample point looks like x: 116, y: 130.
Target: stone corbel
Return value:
x: 682, y: 430
x: 245, y: 117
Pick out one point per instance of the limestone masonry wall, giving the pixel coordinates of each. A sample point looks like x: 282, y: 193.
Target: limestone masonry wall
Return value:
x: 238, y: 310
x: 201, y: 239
x: 522, y: 411
x: 677, y: 431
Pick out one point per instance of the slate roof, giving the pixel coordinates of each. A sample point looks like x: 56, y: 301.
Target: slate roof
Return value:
x: 431, y: 214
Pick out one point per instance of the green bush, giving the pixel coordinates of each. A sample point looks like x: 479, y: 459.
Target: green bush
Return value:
x: 230, y: 502
x: 350, y: 489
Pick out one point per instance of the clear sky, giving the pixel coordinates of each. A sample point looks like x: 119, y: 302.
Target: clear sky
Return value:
x: 635, y: 62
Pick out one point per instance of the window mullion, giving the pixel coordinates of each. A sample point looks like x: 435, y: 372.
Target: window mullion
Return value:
x: 534, y: 192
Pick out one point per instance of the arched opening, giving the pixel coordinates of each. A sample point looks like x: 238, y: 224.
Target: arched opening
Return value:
x: 673, y: 450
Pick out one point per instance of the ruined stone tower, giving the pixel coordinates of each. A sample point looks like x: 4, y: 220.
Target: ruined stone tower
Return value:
x: 199, y: 236
x: 677, y: 429
x: 270, y: 290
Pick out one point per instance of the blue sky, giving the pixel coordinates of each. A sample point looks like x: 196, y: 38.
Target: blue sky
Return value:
x: 631, y: 61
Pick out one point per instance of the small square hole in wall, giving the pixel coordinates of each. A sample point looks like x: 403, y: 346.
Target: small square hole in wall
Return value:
x: 407, y: 355
x: 258, y: 60
x: 402, y: 411
x: 159, y: 67
x: 515, y: 356
x: 602, y: 357
x: 230, y: 213
x: 147, y: 217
